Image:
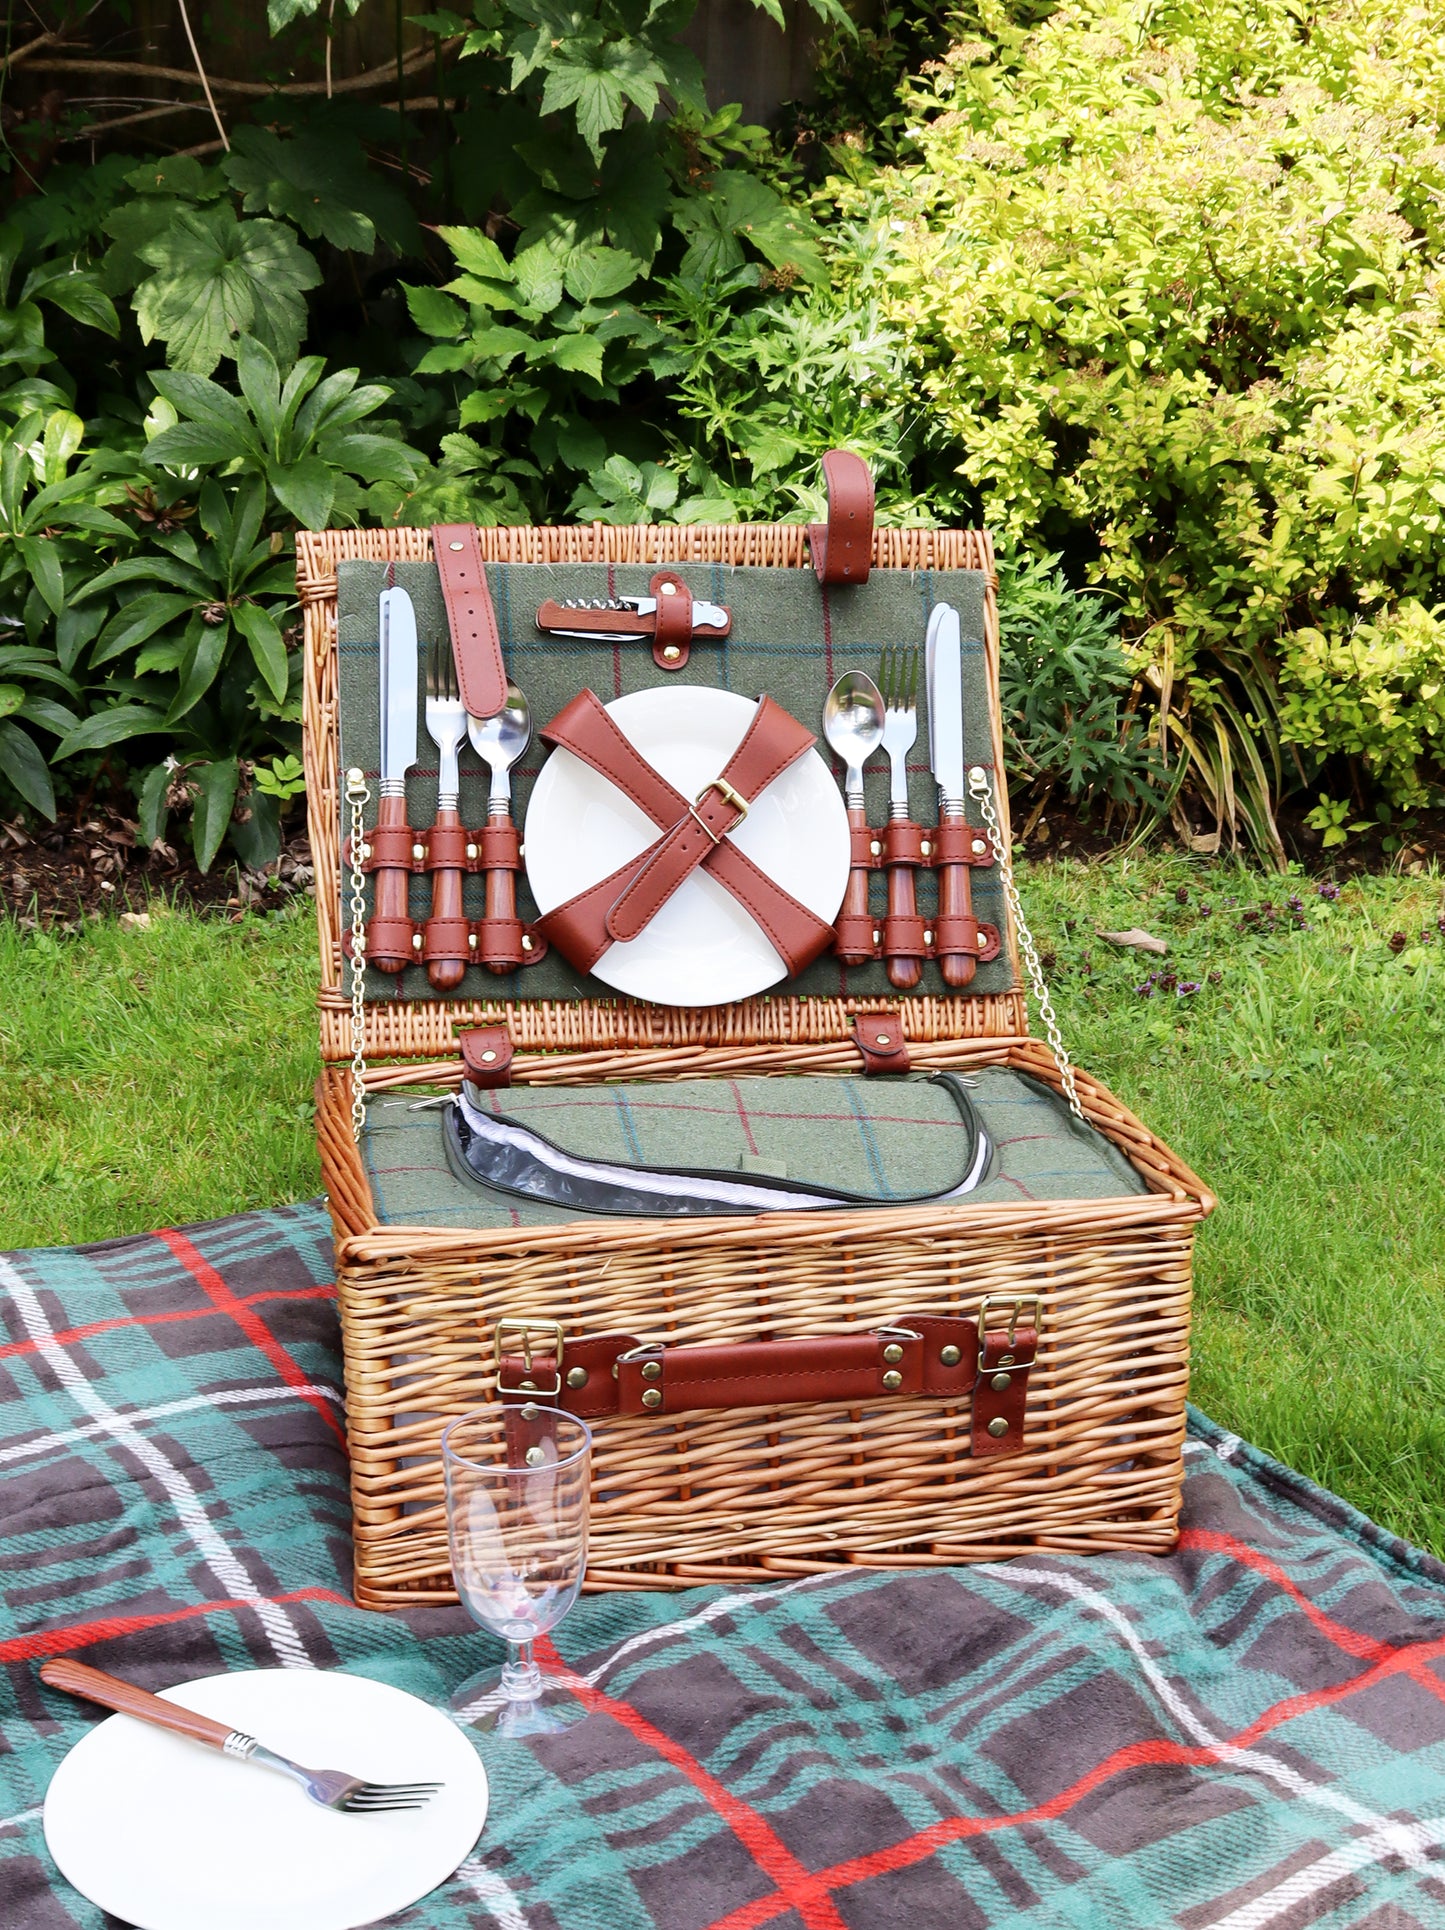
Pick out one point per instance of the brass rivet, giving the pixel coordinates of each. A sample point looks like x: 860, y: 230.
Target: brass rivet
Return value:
x: 527, y: 1386
x: 652, y: 1397
x: 576, y: 1376
x: 529, y: 1412
x: 875, y: 848
x: 1000, y: 1382
x: 876, y: 937
x: 456, y: 546
x: 356, y: 775
x: 998, y: 1427
x: 418, y: 851
x: 950, y: 1356
x: 671, y: 653
x: 669, y: 589
x: 652, y: 1370
x: 534, y: 1457
x: 926, y: 848
x: 526, y: 943
x: 979, y: 847
x: 365, y: 851
x: 892, y: 1380
x: 471, y: 851
x: 1005, y: 1360
x: 928, y: 938
x: 488, y: 1057
x: 884, y: 1038
x: 893, y: 1352
x: 977, y: 771
x: 416, y: 941
x: 472, y: 940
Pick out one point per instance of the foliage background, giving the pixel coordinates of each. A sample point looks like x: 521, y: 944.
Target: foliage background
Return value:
x: 1153, y: 289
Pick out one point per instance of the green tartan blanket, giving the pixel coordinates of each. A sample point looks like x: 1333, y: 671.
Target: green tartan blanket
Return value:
x: 1248, y: 1735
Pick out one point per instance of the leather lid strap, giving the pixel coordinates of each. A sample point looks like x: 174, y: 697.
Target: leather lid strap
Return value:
x: 842, y: 548
x: 487, y: 1055
x: 476, y: 641
x: 579, y: 928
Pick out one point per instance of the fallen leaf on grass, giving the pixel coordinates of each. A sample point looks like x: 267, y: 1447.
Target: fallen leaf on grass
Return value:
x: 1140, y: 941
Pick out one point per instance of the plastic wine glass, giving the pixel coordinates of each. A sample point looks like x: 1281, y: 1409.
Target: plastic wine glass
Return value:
x: 518, y: 1486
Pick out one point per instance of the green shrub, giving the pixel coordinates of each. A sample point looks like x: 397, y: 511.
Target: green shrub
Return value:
x: 1175, y: 279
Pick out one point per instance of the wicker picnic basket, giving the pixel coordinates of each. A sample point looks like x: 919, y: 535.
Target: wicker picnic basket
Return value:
x: 740, y: 1495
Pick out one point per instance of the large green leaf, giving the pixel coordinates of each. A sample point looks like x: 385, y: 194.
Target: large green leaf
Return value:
x: 79, y: 294
x: 216, y: 278
x: 597, y: 78
x: 42, y: 559
x: 306, y: 489
x: 596, y: 274
x: 12, y: 696
x: 311, y: 181
x: 137, y: 622
x: 22, y: 763
x: 151, y: 811
x: 740, y: 208
x: 205, y: 651
x: 256, y: 830
x: 214, y: 803
x: 111, y: 726
x: 268, y: 646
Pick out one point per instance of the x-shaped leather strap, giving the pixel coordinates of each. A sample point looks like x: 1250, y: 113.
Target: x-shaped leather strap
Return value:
x: 620, y: 906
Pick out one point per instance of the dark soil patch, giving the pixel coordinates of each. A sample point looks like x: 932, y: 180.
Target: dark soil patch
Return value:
x: 57, y: 875
x: 1409, y: 846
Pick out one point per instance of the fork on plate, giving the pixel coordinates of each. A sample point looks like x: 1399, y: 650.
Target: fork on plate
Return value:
x: 332, y: 1788
x: 446, y: 941
x: 898, y: 681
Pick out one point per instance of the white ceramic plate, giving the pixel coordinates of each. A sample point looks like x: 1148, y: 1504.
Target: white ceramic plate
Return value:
x: 702, y: 948
x: 169, y: 1835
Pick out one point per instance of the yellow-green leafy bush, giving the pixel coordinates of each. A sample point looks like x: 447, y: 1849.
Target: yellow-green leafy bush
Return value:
x: 1175, y: 276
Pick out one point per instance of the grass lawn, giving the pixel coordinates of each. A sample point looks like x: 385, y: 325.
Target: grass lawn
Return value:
x: 153, y: 1077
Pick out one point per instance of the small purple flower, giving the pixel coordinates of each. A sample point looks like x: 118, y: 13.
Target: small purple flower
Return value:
x: 1216, y: 978
x: 1329, y: 889
x: 1146, y: 990
x: 1296, y: 904
x: 1186, y: 988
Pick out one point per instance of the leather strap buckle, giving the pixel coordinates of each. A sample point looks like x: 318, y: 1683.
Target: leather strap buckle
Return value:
x: 1015, y: 1303
x: 525, y: 1329
x: 734, y: 798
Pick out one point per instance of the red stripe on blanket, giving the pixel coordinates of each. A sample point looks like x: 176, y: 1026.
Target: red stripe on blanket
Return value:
x: 1409, y: 1660
x: 797, y: 1890
x: 69, y: 1334
x: 79, y: 1635
x: 250, y: 1323
x: 1365, y: 1648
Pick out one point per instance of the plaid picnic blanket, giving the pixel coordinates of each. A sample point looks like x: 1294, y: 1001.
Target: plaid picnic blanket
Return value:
x: 1249, y: 1735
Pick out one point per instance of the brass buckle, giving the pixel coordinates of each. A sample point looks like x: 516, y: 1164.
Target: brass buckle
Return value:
x: 552, y: 1329
x: 1016, y: 1303
x: 734, y: 798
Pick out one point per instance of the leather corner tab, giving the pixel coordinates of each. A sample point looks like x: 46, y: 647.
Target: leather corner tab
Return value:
x: 879, y: 1037
x: 476, y: 641
x: 487, y: 1055
x: 842, y: 548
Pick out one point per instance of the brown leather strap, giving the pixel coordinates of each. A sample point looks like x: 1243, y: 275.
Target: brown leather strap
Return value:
x: 1005, y: 1355
x: 579, y: 928
x: 673, y: 631
x: 956, y: 841
x: 772, y: 741
x: 879, y: 1037
x: 842, y: 547
x: 607, y: 1374
x: 448, y: 844
x: 394, y: 847
x: 476, y: 642
x: 487, y: 1055
x: 497, y: 847
x: 903, y: 842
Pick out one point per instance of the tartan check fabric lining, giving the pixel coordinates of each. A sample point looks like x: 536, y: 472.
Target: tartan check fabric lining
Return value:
x: 889, y: 1137
x: 1248, y: 1735
x: 790, y: 638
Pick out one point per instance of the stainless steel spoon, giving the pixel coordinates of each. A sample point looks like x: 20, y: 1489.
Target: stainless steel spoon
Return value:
x: 499, y: 741
x: 853, y: 727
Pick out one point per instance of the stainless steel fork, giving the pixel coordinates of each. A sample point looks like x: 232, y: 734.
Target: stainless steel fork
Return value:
x: 446, y: 720
x: 902, y: 932
x: 332, y: 1788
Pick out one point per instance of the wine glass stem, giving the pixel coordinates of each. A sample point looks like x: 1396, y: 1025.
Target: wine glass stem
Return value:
x: 521, y: 1678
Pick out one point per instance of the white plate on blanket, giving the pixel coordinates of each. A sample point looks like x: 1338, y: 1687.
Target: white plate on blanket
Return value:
x: 169, y: 1835
x: 702, y: 948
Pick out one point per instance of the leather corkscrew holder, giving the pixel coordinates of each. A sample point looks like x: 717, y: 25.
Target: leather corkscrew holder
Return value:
x: 499, y: 939
x: 902, y: 935
x: 984, y: 1360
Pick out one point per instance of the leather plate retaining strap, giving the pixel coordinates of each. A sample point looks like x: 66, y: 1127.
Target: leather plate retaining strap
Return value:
x: 476, y: 642
x: 842, y: 548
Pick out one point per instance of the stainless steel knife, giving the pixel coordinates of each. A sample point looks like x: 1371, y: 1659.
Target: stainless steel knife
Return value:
x: 943, y: 659
x: 390, y: 945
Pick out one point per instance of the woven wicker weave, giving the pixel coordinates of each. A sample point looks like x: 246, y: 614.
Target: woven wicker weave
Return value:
x: 742, y: 1495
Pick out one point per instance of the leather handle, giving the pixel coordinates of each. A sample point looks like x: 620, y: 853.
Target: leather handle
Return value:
x: 476, y: 641
x: 902, y: 929
x: 388, y: 935
x: 955, y: 900
x: 842, y: 548
x: 94, y: 1685
x: 445, y: 962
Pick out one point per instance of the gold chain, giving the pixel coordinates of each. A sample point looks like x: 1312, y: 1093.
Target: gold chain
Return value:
x: 357, y: 796
x: 979, y: 791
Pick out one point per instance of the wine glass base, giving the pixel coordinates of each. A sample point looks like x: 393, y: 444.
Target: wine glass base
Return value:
x: 483, y: 1706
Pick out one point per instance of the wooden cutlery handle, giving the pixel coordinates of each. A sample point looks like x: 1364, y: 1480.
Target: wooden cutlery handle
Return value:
x: 904, y: 971
x: 388, y: 935
x: 854, y: 927
x: 445, y: 932
x: 94, y: 1685
x: 955, y: 900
